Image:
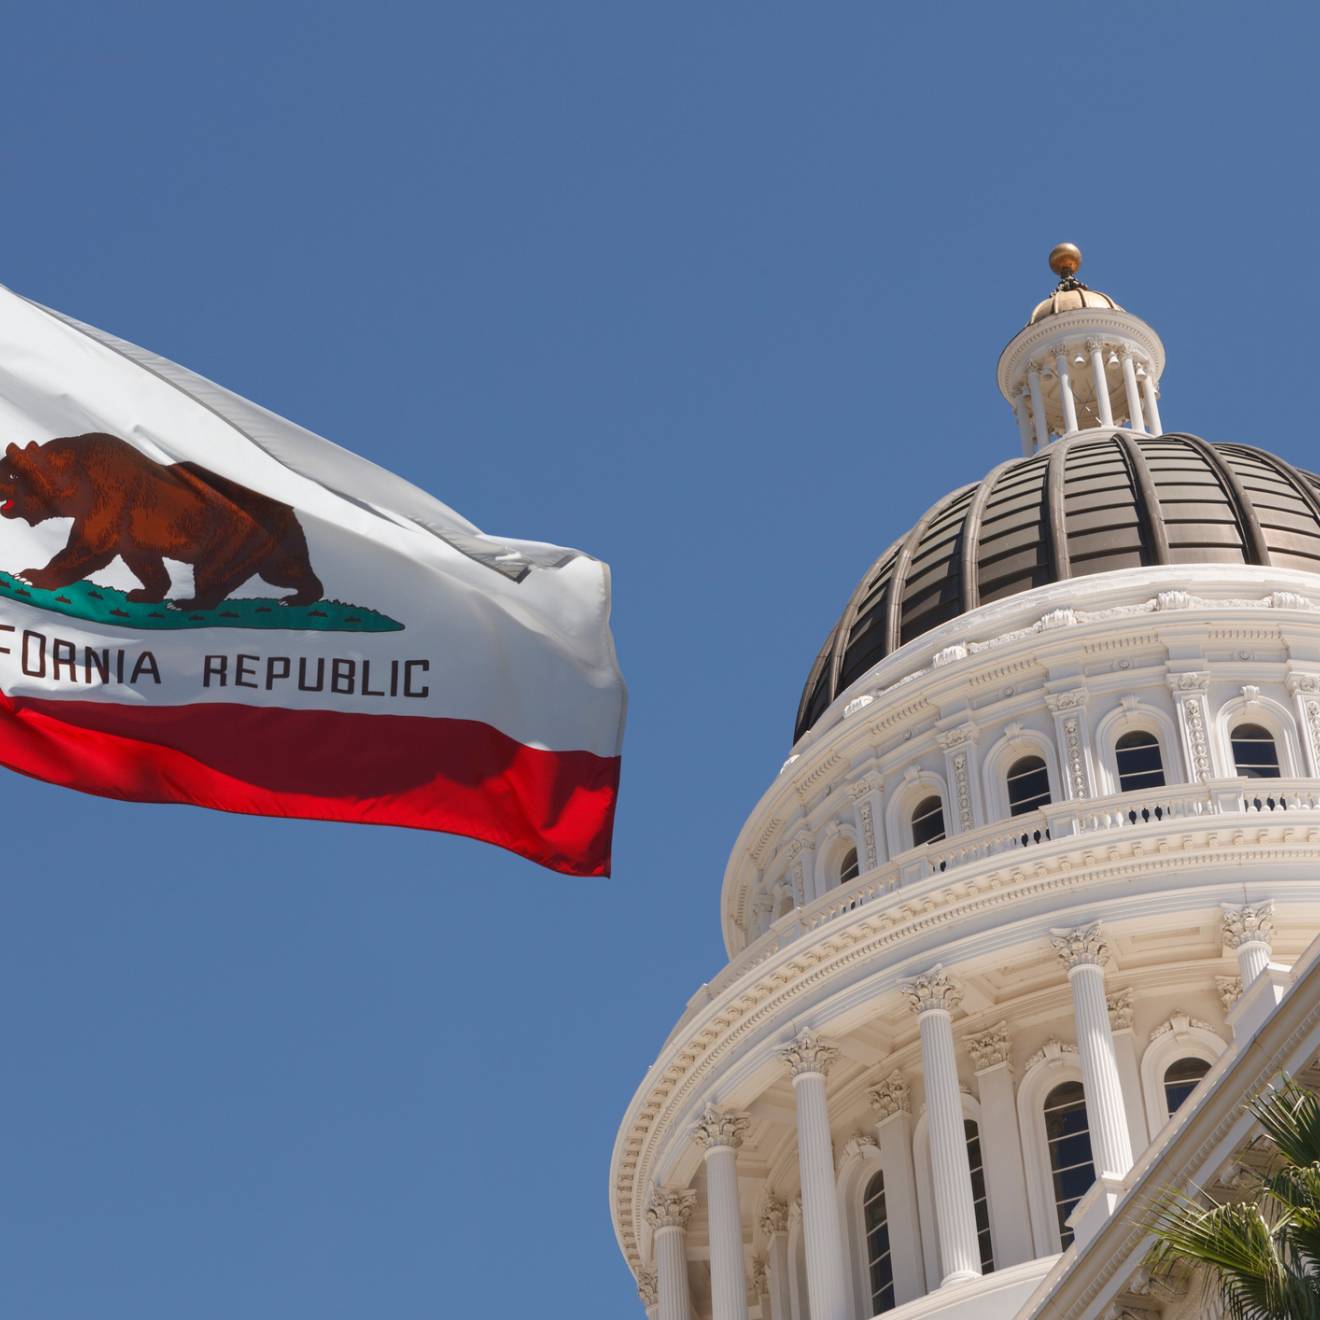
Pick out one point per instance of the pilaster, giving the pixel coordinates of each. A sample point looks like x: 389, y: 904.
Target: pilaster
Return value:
x: 891, y: 1103
x: 965, y: 810
x: 1193, y: 709
x: 1073, y: 738
x: 1001, y: 1147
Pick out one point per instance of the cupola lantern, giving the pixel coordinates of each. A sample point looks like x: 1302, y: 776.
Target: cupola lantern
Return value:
x: 1081, y: 363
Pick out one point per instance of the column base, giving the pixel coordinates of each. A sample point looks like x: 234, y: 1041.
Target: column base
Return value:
x: 1092, y: 1212
x: 959, y: 1276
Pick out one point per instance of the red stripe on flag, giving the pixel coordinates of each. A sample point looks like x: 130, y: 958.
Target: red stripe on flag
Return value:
x: 457, y: 776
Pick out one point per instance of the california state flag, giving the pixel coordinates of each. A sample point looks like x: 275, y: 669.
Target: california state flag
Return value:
x: 202, y: 602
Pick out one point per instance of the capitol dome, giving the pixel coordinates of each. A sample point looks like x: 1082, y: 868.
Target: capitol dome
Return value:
x: 1089, y: 504
x: 1032, y: 906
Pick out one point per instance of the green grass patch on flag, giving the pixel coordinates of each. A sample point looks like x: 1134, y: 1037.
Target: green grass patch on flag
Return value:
x: 110, y: 607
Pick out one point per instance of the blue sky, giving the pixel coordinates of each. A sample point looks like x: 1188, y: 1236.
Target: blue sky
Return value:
x: 714, y: 291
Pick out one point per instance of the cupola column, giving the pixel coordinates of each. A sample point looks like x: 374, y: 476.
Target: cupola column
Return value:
x: 1037, y: 406
x: 1022, y: 406
x: 1065, y: 390
x: 1249, y: 932
x: 933, y: 997
x: 1135, y: 419
x: 808, y: 1059
x: 719, y: 1134
x: 1083, y: 952
x: 774, y: 1228
x: 1153, y: 423
x: 668, y: 1214
x: 1096, y: 349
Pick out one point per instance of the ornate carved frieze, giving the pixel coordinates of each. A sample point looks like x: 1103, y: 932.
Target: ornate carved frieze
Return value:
x: 1072, y: 699
x: 1189, y: 696
x: 1054, y: 1051
x: 719, y: 1127
x: 1249, y: 924
x: 989, y: 1048
x: 774, y: 1217
x: 1179, y: 1023
x: 647, y: 1288
x: 1081, y: 947
x: 931, y: 990
x: 809, y: 1053
x: 867, y: 817
x: 1120, y: 1009
x: 1229, y: 989
x: 892, y: 1096
x: 670, y: 1207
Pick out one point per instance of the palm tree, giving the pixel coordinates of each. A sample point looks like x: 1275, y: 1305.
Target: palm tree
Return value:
x: 1262, y: 1260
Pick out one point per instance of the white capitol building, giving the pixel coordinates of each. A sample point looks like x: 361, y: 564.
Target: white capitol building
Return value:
x: 1030, y: 910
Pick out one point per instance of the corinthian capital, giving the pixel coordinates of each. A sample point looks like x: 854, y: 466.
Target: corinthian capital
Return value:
x: 717, y: 1127
x: 774, y: 1217
x: 989, y: 1048
x: 1253, y: 923
x: 933, y: 989
x: 809, y: 1053
x: 670, y: 1207
x: 1082, y: 947
x: 647, y: 1288
x: 891, y: 1097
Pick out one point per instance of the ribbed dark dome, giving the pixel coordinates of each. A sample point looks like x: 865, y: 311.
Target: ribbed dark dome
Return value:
x: 1081, y: 506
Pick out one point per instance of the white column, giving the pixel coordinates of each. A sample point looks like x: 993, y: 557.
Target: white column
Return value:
x: 933, y: 997
x: 1096, y: 349
x: 1084, y: 953
x: 1001, y: 1148
x: 1249, y: 932
x: 891, y: 1102
x: 1153, y: 423
x: 774, y: 1228
x: 668, y: 1215
x: 720, y: 1134
x: 648, y: 1291
x: 1135, y: 419
x: 1065, y: 391
x: 1023, y: 409
x: 808, y: 1059
x: 1037, y: 407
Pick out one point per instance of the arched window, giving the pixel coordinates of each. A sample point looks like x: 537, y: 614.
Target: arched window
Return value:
x: 1028, y: 785
x: 927, y: 821
x: 979, y: 1202
x: 875, y: 1216
x: 1139, y: 762
x: 849, y: 868
x: 1254, y: 752
x: 1180, y: 1080
x: 1070, y: 1151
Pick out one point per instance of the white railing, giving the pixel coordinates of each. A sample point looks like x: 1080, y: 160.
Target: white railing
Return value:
x: 1054, y: 824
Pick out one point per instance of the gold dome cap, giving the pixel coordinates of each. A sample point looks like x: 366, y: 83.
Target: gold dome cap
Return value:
x: 1071, y: 295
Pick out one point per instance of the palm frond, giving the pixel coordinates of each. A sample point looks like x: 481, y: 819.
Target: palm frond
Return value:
x: 1290, y: 1116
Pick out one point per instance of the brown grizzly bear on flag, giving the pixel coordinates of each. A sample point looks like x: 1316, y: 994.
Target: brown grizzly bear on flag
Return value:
x: 123, y: 503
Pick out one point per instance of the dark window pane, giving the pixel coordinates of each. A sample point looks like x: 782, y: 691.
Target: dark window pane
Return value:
x: 849, y: 869
x: 928, y: 822
x: 1180, y: 1081
x: 1254, y: 752
x: 1028, y: 785
x: 875, y: 1217
x: 1070, y: 1150
x: 1139, y: 762
x: 979, y: 1203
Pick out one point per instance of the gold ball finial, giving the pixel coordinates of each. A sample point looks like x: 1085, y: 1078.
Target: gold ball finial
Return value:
x: 1065, y: 260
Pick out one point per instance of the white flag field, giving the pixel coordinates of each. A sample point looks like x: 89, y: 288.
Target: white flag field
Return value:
x: 201, y: 602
